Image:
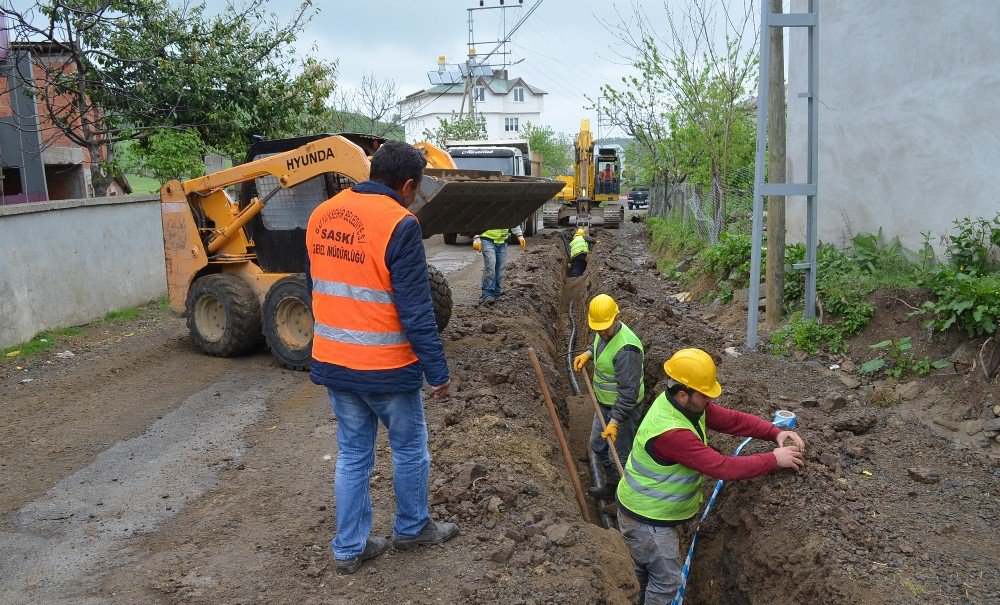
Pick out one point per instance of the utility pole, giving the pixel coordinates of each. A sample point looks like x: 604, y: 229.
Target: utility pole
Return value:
x: 775, y: 278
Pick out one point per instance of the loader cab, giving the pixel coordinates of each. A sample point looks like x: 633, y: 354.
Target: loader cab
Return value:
x: 506, y: 160
x: 279, y: 231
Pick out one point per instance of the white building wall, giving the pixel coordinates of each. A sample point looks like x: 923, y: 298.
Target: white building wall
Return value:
x: 909, y: 128
x: 493, y: 109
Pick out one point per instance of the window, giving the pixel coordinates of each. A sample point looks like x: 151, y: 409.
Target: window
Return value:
x: 510, y: 125
x: 479, y: 93
x: 519, y: 94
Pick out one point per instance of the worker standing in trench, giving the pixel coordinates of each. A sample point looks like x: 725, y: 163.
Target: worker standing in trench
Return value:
x: 374, y: 339
x: 618, y: 385
x: 579, y: 248
x: 493, y: 245
x: 662, y: 485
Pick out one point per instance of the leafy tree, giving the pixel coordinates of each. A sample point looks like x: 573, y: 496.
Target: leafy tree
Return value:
x: 124, y: 70
x: 690, y: 105
x: 556, y: 148
x: 465, y: 128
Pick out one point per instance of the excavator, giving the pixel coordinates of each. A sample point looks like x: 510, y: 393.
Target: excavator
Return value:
x: 234, y: 240
x: 585, y: 200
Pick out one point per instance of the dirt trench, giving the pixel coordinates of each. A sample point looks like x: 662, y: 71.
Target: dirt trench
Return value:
x: 886, y: 511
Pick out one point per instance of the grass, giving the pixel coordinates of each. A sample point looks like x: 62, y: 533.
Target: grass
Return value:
x: 143, y: 184
x: 49, y: 338
x: 916, y: 589
x: 123, y: 315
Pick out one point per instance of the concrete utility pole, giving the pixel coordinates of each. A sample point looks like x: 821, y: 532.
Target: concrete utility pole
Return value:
x: 775, y: 278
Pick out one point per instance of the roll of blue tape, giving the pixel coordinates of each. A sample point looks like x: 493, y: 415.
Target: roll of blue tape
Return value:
x: 785, y: 418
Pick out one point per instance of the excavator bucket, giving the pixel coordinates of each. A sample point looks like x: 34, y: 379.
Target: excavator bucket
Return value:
x: 454, y: 201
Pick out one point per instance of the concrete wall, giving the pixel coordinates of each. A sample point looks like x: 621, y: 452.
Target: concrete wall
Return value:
x: 909, y: 127
x: 69, y: 262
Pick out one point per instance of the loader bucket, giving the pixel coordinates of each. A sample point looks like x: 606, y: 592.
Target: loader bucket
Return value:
x: 473, y: 201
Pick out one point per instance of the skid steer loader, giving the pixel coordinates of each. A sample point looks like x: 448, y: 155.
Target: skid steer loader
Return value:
x: 236, y: 265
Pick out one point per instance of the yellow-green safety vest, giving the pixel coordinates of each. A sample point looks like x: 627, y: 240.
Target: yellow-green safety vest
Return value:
x: 578, y: 246
x: 605, y: 385
x: 655, y: 491
x: 498, y: 236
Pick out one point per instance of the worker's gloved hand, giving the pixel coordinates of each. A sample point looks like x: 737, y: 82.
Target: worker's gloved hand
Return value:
x: 796, y: 440
x: 789, y: 457
x: 522, y: 242
x: 580, y: 360
x: 477, y: 245
x: 611, y: 431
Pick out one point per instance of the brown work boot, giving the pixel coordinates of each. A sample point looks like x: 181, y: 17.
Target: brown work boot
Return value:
x: 373, y: 548
x: 433, y: 533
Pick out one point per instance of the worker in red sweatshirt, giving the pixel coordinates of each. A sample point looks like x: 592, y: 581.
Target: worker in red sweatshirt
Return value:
x: 661, y: 488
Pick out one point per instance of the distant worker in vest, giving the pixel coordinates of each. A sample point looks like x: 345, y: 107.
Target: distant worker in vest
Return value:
x: 607, y: 179
x: 374, y: 339
x: 662, y: 485
x: 493, y: 245
x: 579, y: 248
x: 618, y: 384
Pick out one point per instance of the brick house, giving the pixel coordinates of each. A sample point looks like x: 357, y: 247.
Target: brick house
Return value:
x: 40, y: 162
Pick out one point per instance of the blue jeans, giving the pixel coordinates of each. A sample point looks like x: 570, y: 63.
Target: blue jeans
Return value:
x: 494, y: 262
x: 358, y: 415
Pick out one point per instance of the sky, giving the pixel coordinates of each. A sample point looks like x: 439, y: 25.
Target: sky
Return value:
x: 566, y: 48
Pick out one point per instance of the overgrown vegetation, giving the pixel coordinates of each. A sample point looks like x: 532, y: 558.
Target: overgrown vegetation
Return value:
x: 965, y: 286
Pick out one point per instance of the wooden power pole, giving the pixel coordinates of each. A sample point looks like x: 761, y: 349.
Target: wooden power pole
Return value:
x: 775, y: 266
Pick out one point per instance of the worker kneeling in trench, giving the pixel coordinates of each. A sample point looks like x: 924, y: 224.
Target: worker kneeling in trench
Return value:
x: 662, y: 483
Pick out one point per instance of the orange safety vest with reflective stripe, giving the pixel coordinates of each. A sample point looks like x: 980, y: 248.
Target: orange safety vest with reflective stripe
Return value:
x: 356, y: 322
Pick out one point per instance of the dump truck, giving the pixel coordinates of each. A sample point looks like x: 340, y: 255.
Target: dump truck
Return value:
x: 512, y: 156
x: 586, y: 199
x: 234, y: 241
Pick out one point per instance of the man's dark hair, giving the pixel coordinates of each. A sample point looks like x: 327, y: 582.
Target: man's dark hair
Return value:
x: 677, y: 387
x: 396, y: 162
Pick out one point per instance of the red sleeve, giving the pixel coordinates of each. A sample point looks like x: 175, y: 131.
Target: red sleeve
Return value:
x: 683, y: 446
x: 741, y: 424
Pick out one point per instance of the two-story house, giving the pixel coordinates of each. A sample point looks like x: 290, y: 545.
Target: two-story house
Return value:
x: 504, y: 104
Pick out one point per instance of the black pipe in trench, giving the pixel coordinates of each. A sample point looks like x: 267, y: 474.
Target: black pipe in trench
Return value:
x: 598, y: 482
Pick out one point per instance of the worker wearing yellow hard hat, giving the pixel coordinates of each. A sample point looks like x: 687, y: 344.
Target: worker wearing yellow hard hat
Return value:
x: 661, y: 489
x: 618, y: 385
x: 579, y: 248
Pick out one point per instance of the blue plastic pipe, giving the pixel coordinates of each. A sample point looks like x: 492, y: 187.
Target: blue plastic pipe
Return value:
x: 782, y: 418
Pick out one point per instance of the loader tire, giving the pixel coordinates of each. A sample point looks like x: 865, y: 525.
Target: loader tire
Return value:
x: 441, y: 296
x: 223, y: 315
x: 450, y: 238
x: 288, y: 322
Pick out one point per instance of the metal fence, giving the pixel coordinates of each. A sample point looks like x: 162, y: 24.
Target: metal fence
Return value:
x: 696, y: 205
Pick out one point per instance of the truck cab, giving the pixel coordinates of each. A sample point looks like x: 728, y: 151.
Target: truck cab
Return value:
x: 511, y: 157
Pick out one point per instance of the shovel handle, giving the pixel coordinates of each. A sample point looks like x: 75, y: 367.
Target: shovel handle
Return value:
x: 604, y: 426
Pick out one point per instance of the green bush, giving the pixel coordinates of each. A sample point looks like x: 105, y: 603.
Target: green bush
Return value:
x: 896, y: 361
x: 673, y: 238
x: 807, y: 335
x: 968, y: 300
x: 728, y: 259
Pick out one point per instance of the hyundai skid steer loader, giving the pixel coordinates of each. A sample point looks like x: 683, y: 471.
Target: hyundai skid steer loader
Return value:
x: 234, y: 241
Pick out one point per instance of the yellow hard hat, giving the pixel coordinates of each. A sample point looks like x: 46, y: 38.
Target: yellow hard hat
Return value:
x: 603, y: 311
x: 694, y: 369
x: 579, y: 231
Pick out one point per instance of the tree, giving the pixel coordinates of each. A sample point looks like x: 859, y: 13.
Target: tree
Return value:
x: 124, y: 70
x: 371, y: 107
x: 457, y: 128
x: 691, y: 84
x: 556, y: 149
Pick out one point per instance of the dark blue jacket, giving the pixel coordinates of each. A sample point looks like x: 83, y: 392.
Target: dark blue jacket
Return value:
x: 411, y: 288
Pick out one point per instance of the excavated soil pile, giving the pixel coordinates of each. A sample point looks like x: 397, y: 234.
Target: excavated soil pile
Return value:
x: 885, y: 511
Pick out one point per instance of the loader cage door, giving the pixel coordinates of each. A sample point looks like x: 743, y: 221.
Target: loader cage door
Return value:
x: 279, y: 231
